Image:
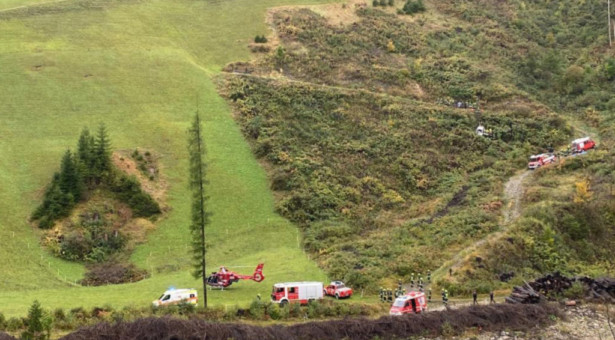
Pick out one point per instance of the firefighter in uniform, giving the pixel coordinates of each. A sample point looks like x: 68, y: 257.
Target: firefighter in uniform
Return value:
x: 429, y: 276
x: 412, y: 280
x: 429, y: 295
x: 381, y: 294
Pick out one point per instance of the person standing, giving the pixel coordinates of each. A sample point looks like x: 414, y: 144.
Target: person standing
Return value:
x: 429, y: 295
x: 491, y: 300
x: 474, y: 297
x: 429, y: 276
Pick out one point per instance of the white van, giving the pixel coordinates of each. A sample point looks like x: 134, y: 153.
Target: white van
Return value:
x: 301, y: 292
x: 176, y: 296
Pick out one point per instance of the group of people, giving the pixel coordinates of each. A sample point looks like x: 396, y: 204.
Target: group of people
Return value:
x: 419, y: 281
x: 475, y: 297
x: 388, y: 295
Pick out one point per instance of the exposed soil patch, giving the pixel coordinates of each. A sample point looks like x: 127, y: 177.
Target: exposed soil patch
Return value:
x: 147, y: 173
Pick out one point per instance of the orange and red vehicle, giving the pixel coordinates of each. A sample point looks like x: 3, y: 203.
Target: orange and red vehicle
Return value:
x: 411, y: 303
x: 338, y: 289
x: 224, y: 277
x: 582, y: 144
x: 536, y: 161
x: 301, y: 292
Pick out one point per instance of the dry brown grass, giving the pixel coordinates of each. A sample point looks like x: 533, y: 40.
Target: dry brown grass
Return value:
x: 156, y: 188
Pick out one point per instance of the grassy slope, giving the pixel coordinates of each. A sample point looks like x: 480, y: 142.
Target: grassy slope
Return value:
x: 137, y: 67
x: 8, y: 4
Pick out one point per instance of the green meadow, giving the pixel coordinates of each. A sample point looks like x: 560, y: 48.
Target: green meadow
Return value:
x: 142, y: 68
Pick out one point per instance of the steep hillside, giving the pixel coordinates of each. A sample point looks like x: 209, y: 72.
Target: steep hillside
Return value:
x: 366, y: 150
x: 139, y: 67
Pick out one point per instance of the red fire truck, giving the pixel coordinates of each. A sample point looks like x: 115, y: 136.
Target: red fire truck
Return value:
x: 536, y: 161
x: 582, y: 144
x: 301, y: 292
x: 411, y: 303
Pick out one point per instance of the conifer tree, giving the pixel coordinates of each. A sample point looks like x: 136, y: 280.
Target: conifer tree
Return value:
x: 70, y: 178
x: 85, y: 155
x: 200, y: 216
x: 55, y: 204
x: 102, y: 153
x: 35, y: 329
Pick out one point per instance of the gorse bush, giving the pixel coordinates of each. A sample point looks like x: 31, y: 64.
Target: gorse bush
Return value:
x: 260, y: 39
x: 413, y: 6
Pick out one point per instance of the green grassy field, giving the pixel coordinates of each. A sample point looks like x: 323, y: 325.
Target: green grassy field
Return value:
x: 140, y: 67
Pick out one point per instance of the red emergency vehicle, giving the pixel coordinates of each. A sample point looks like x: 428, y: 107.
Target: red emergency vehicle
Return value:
x: 411, y: 303
x: 301, y: 292
x: 582, y: 144
x: 536, y: 161
x: 338, y: 289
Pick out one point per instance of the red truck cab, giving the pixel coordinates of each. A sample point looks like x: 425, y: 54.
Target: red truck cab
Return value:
x: 411, y: 303
x: 338, y: 289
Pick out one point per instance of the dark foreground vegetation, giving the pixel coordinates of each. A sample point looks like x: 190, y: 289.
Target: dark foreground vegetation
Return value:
x: 449, y: 323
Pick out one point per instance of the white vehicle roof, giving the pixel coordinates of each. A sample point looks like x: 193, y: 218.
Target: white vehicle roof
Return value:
x: 410, y: 296
x: 580, y: 140
x: 180, y: 291
x: 297, y: 284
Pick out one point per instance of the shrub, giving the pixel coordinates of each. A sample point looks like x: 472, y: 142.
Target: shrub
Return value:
x: 128, y: 190
x: 260, y: 39
x: 383, y: 3
x: 576, y: 291
x: 391, y: 2
x: 59, y: 315
x: 315, y: 309
x: 413, y: 6
x: 14, y: 324
x: 375, y: 3
x: 185, y: 308
x: 257, y: 309
x: 2, y: 322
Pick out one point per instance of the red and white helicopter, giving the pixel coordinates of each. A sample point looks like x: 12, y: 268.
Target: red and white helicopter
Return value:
x: 224, y: 277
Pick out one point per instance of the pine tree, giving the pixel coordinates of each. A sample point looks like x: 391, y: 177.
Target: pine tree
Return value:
x: 102, y: 153
x: 200, y: 216
x: 70, y: 178
x: 85, y: 155
x: 35, y: 329
x: 55, y: 204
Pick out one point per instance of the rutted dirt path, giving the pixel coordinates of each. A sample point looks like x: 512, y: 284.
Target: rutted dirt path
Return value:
x: 513, y: 194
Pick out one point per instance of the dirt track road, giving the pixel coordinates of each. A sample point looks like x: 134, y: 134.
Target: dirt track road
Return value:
x: 513, y: 195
